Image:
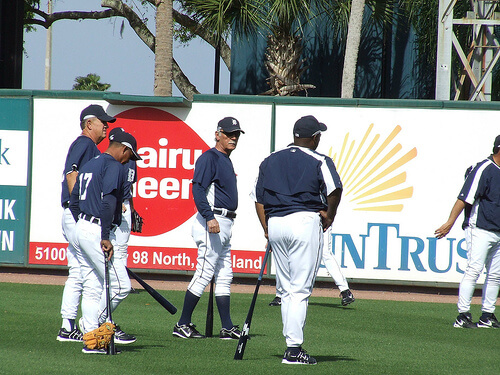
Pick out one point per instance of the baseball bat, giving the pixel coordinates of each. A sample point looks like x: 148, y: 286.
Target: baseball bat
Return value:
x: 209, y: 325
x: 111, y: 350
x: 240, y: 349
x: 157, y: 296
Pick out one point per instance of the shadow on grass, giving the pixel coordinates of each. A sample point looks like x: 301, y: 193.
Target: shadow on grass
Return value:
x: 327, y: 358
x: 332, y: 305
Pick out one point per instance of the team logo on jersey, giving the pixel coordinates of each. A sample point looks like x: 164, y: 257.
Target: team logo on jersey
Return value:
x: 372, y: 172
x: 169, y: 149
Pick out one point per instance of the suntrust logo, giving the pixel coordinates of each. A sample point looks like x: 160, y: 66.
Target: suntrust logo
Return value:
x: 371, y: 171
x: 169, y: 149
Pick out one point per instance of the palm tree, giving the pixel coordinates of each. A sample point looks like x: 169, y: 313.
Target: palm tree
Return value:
x: 163, y: 48
x: 352, y: 47
x: 90, y: 83
x: 282, y: 21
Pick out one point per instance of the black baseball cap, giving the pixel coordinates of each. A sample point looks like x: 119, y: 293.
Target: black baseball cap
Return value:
x: 496, y: 145
x: 95, y: 110
x: 308, y: 127
x: 229, y: 125
x: 128, y: 140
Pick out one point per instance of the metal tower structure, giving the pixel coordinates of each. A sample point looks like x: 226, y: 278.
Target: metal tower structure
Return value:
x: 477, y: 59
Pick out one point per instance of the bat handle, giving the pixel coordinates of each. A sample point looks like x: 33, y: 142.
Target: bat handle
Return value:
x: 111, y: 350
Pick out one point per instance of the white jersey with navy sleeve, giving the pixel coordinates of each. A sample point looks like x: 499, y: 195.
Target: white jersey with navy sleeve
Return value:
x: 477, y: 191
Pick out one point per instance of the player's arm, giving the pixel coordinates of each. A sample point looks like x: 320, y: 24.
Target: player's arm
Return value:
x: 333, y: 203
x: 261, y: 214
x: 71, y: 178
x: 74, y: 200
x: 444, y: 229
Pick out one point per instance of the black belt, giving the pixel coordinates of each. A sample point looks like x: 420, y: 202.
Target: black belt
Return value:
x: 65, y: 204
x: 92, y: 219
x: 224, y: 212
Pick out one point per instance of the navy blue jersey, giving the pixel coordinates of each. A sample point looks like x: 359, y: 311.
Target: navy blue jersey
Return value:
x: 99, y: 179
x: 295, y: 179
x: 214, y: 183
x: 130, y: 178
x: 81, y: 151
x: 481, y: 190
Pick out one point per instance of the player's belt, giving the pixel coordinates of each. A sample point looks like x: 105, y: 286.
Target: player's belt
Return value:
x: 224, y: 212
x: 92, y: 219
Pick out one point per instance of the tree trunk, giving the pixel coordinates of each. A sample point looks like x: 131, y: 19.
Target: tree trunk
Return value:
x: 352, y: 48
x: 163, y: 49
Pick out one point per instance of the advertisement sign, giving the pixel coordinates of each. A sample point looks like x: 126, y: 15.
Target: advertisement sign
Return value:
x: 14, y: 165
x: 169, y: 140
x: 402, y: 170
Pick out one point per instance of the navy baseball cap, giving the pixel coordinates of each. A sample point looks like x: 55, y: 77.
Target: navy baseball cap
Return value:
x: 229, y: 125
x: 114, y: 131
x: 308, y: 127
x: 95, y: 110
x: 126, y: 139
x: 496, y: 145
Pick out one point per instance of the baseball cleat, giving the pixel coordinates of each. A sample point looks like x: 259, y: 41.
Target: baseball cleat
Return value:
x: 86, y: 350
x: 299, y: 358
x: 464, y: 320
x: 122, y: 337
x: 228, y: 334
x: 275, y: 302
x: 488, y: 320
x: 187, y: 331
x: 347, y: 297
x: 75, y: 335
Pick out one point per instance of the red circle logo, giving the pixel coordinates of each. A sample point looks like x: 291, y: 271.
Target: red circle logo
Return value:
x: 169, y: 149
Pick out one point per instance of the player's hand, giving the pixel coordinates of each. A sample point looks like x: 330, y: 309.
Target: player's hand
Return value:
x: 325, y: 220
x: 124, y: 208
x: 107, y: 247
x: 213, y: 226
x: 443, y: 230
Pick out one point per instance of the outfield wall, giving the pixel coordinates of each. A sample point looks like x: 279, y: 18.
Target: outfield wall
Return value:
x: 402, y: 164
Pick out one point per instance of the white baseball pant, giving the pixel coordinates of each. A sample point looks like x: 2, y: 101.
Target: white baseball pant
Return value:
x: 296, y: 241
x: 92, y: 268
x: 73, y: 286
x: 214, y: 257
x: 483, y: 250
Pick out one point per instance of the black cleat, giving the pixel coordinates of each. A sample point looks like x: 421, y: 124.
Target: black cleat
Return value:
x: 122, y: 337
x: 187, y: 331
x: 488, y: 320
x: 228, y: 334
x: 74, y: 335
x: 464, y: 320
x: 347, y: 297
x: 300, y: 358
x: 275, y: 302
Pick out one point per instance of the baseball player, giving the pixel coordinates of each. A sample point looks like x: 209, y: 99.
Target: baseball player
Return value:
x: 297, y: 194
x: 96, y: 204
x: 479, y: 197
x: 216, y: 197
x: 346, y: 296
x: 94, y: 123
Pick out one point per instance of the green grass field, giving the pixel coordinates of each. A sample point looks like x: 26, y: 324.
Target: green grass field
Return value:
x: 368, y: 337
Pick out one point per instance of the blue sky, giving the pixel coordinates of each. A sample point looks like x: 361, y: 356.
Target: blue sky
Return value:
x: 95, y: 46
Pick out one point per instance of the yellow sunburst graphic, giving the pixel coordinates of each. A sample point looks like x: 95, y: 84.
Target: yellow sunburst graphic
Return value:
x: 372, y: 171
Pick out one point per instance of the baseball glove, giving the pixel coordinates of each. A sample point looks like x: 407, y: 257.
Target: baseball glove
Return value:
x: 137, y: 221
x: 99, y: 338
